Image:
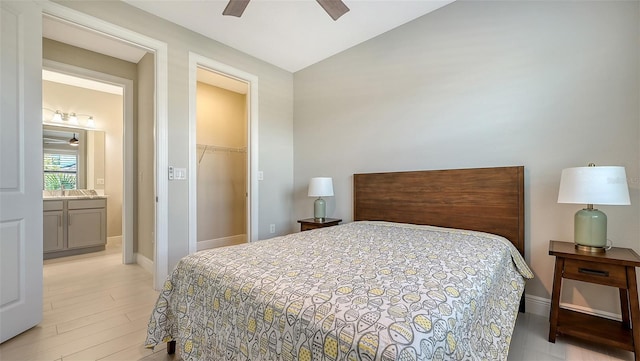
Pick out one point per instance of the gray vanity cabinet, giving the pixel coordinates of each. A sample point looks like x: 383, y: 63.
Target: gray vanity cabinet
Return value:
x: 74, y: 226
x: 53, y: 231
x: 86, y: 223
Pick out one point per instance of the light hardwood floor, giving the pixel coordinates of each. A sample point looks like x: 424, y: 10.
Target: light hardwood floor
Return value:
x: 96, y: 308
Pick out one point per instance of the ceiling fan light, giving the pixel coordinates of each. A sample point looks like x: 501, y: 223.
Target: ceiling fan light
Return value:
x: 74, y: 141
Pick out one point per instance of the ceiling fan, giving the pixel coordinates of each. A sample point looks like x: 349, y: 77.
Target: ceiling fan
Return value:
x: 335, y: 8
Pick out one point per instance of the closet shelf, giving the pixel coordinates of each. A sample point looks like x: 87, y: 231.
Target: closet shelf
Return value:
x: 208, y: 148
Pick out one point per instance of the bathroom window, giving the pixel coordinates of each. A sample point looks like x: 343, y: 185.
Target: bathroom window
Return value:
x: 60, y: 170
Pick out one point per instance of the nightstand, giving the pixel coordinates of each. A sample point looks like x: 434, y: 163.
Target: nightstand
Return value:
x: 311, y: 223
x: 615, y: 268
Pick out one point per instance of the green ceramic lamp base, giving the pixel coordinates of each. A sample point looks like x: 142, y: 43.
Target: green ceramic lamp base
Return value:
x: 590, y: 230
x: 319, y: 209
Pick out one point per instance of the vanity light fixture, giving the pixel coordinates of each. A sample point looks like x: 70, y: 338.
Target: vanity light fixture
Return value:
x: 70, y: 119
x: 57, y: 117
x: 73, y: 118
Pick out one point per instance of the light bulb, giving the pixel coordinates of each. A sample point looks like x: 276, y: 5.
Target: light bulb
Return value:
x: 57, y: 117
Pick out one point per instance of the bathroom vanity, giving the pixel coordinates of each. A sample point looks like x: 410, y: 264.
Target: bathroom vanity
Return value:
x: 74, y: 224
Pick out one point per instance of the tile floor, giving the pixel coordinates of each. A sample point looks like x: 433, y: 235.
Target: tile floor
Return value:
x: 529, y: 343
x: 95, y: 308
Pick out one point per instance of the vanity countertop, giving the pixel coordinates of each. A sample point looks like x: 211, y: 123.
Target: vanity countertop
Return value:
x: 58, y: 197
x: 72, y: 194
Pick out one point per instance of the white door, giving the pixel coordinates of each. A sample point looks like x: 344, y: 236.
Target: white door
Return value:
x: 20, y: 167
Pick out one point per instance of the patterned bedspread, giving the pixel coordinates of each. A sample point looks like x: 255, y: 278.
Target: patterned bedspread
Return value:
x: 358, y: 291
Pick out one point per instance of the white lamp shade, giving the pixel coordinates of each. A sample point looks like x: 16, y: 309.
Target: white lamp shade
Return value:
x: 320, y: 187
x: 594, y: 185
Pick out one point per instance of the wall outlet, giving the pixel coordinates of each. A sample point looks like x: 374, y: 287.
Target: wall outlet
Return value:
x: 272, y: 228
x: 260, y: 175
x: 100, y: 181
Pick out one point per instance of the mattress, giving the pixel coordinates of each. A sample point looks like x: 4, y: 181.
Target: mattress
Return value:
x: 358, y: 291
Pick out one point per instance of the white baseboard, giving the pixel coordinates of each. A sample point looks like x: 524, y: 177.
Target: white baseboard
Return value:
x: 145, y: 263
x: 542, y: 307
x: 221, y: 242
x: 114, y: 240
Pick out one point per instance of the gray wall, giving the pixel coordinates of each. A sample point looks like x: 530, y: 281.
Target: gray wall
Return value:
x: 275, y: 117
x: 547, y: 85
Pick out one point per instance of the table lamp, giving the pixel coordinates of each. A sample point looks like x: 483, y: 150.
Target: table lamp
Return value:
x: 320, y: 187
x: 593, y: 185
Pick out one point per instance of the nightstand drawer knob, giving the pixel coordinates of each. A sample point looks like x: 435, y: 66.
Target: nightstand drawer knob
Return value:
x: 593, y: 272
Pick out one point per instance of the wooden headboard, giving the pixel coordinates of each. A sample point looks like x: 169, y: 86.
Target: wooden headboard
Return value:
x: 480, y: 199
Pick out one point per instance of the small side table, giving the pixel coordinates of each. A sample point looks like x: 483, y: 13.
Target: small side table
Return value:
x: 311, y: 223
x: 615, y: 268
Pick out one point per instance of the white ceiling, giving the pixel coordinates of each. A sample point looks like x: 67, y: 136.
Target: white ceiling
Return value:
x: 80, y: 82
x: 69, y: 33
x: 291, y: 34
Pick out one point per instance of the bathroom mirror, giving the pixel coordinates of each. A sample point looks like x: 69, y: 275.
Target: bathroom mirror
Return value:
x: 73, y: 158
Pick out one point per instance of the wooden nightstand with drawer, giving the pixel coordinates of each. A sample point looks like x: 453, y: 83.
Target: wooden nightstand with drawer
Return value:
x: 616, y: 268
x: 312, y: 223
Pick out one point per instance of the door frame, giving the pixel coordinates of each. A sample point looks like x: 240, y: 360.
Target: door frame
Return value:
x: 128, y: 154
x: 198, y: 61
x: 160, y: 50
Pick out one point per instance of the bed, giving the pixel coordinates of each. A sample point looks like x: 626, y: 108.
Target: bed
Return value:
x: 431, y: 268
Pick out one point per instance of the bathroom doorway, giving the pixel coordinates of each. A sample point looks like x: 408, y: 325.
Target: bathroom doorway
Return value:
x: 83, y: 31
x: 93, y: 103
x: 85, y: 58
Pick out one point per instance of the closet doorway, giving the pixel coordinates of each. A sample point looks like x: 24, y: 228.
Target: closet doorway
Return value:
x: 223, y: 167
x: 221, y: 148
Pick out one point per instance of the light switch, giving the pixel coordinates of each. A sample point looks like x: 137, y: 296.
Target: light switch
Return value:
x: 180, y: 173
x: 260, y: 175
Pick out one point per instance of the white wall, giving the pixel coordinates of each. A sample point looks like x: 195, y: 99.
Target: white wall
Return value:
x: 275, y: 117
x: 547, y: 85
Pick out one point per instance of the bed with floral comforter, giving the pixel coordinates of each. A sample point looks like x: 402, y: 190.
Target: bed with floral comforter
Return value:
x: 358, y: 291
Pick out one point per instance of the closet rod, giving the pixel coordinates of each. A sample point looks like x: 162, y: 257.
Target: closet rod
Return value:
x: 216, y: 148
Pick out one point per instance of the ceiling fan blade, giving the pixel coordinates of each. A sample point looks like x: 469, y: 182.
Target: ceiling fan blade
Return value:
x: 53, y: 140
x: 335, y: 8
x: 235, y: 7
